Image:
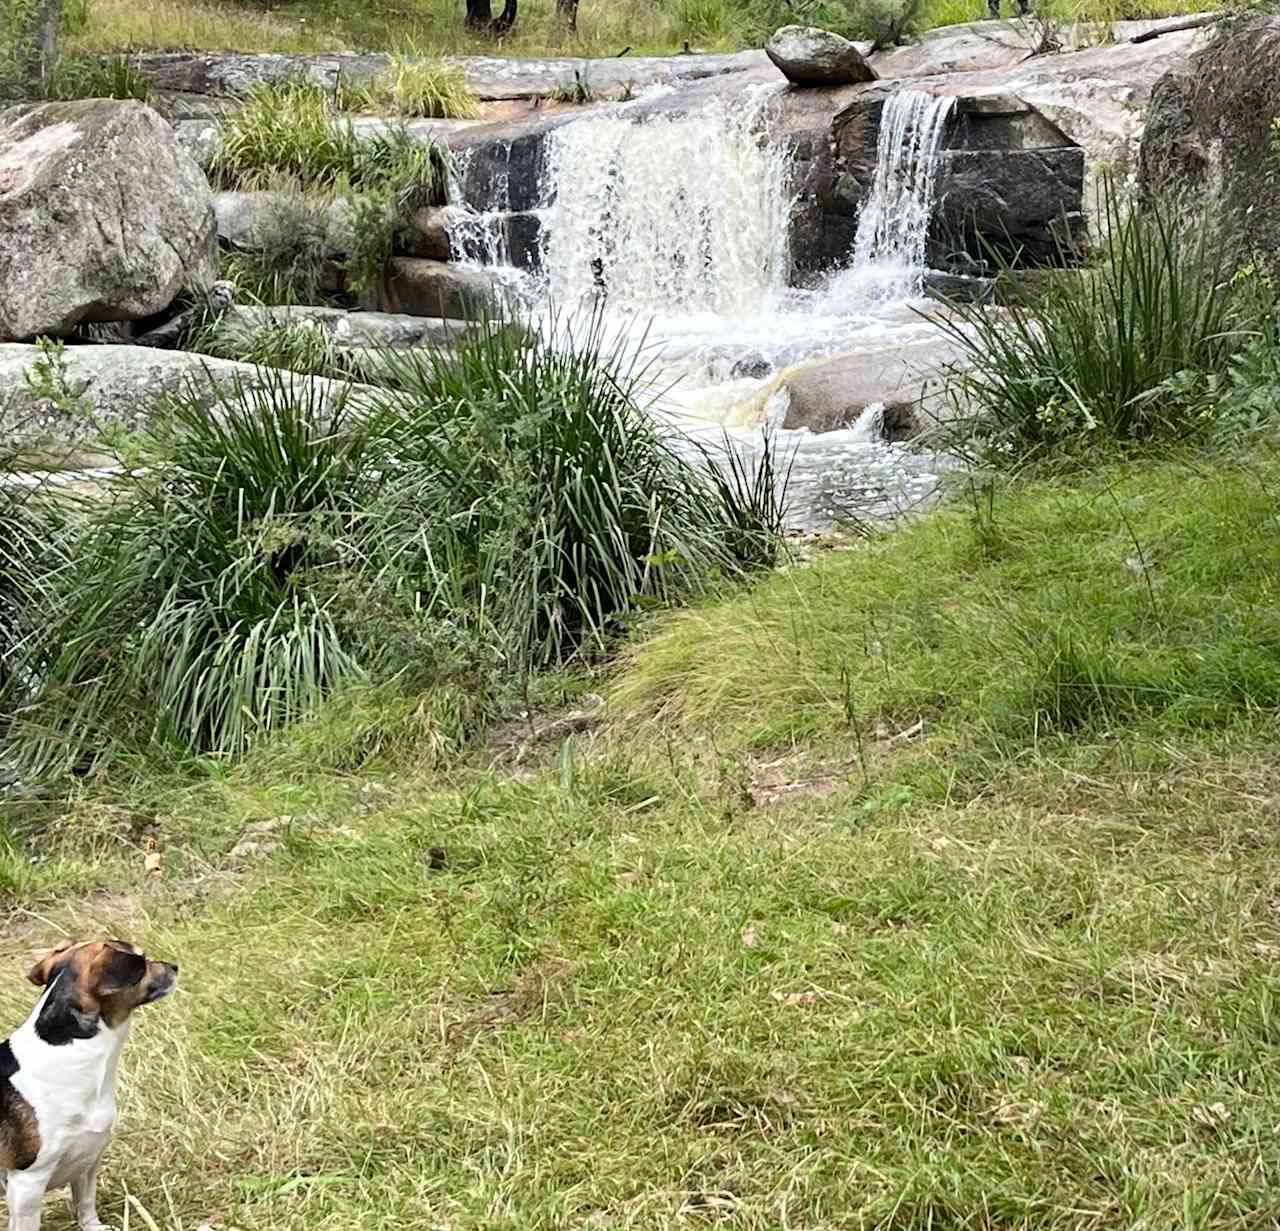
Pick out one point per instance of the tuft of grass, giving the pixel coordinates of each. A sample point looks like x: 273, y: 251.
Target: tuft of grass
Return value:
x: 267, y: 546
x: 1132, y: 353
x: 423, y: 87
x: 559, y: 506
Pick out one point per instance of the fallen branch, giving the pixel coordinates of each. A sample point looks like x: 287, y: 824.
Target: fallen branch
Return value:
x: 1189, y: 23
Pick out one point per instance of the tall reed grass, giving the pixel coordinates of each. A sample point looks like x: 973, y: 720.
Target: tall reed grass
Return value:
x: 1132, y: 352
x: 492, y: 510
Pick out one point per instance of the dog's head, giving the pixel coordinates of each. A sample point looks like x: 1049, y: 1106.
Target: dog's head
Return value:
x: 99, y: 980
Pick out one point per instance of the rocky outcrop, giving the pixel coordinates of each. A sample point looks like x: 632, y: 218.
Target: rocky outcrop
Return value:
x: 102, y: 216
x: 106, y: 386
x: 808, y: 56
x: 1211, y: 137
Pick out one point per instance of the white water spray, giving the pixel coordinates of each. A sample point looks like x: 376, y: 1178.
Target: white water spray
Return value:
x: 669, y: 214
x: 889, y: 250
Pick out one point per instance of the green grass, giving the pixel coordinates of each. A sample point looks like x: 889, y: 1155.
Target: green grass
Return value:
x: 434, y: 27
x: 415, y: 86
x: 743, y: 958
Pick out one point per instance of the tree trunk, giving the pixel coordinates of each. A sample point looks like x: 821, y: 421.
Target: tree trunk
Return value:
x: 479, y: 14
x: 36, y: 41
x: 568, y: 10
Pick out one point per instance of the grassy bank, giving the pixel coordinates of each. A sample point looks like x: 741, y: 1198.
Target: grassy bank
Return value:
x: 605, y: 27
x: 759, y: 952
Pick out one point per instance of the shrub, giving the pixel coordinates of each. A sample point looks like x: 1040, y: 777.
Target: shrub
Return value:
x: 191, y: 616
x: 1128, y: 354
x: 423, y: 87
x: 291, y: 260
x: 498, y: 508
x: 558, y: 507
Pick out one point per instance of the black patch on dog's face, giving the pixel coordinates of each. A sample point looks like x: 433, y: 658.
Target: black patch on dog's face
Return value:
x: 62, y: 1018
x: 124, y: 969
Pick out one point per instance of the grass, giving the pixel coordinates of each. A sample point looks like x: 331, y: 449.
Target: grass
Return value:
x: 415, y: 86
x: 435, y: 27
x: 742, y: 957
x: 1136, y: 351
x: 265, y: 545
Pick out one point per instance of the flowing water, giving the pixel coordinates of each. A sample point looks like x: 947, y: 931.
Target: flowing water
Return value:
x: 677, y: 226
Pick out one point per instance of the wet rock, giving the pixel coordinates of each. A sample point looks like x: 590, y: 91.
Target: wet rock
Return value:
x: 808, y: 56
x: 417, y: 287
x: 102, y: 216
x: 428, y: 233
x: 958, y: 288
x: 831, y: 394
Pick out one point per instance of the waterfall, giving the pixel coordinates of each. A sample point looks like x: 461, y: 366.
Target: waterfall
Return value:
x: 478, y: 235
x: 889, y: 249
x: 669, y: 214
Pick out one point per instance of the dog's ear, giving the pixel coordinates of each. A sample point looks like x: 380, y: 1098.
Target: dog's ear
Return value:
x: 42, y: 971
x: 123, y: 968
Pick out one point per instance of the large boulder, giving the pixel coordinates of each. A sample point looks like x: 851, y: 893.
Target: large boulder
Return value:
x: 102, y: 216
x: 808, y: 56
x: 101, y: 387
x: 1211, y: 140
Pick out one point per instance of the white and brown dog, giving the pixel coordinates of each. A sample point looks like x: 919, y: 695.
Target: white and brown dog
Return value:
x: 58, y: 1073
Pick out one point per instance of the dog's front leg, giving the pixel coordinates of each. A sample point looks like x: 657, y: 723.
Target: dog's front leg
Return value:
x: 84, y: 1192
x: 25, y: 1194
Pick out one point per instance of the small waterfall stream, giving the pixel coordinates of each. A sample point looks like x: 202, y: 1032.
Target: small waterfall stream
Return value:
x: 893, y: 229
x: 673, y: 215
x: 678, y: 225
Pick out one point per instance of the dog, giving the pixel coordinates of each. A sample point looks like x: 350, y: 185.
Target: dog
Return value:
x: 58, y: 1073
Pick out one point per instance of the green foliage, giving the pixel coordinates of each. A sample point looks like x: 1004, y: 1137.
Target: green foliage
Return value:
x: 269, y: 545
x: 422, y: 87
x: 49, y: 379
x: 97, y: 77
x: 291, y: 259
x: 1132, y: 353
x: 284, y: 136
x: 558, y: 508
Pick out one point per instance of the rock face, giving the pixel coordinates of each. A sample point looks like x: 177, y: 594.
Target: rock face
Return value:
x: 116, y: 385
x: 102, y: 216
x: 1210, y: 137
x: 808, y: 56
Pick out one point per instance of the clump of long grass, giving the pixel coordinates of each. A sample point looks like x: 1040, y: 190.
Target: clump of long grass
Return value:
x: 422, y: 87
x: 557, y: 501
x: 289, y: 130
x: 191, y: 617
x: 492, y: 510
x: 1129, y: 353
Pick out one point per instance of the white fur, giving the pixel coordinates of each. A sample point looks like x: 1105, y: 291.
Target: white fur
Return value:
x: 72, y: 1089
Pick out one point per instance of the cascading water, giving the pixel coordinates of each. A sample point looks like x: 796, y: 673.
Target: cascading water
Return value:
x: 677, y: 226
x: 674, y: 214
x: 893, y: 229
